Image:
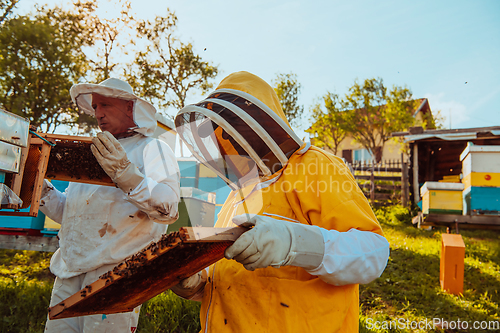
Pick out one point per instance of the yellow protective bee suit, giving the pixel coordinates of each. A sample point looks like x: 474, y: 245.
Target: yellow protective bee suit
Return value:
x: 311, y: 187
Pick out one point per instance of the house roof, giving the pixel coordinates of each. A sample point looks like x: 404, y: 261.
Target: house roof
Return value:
x: 424, y: 107
x: 417, y: 133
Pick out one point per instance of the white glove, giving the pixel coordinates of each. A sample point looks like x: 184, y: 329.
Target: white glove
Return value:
x: 114, y: 161
x: 46, y: 188
x: 191, y: 287
x: 276, y: 243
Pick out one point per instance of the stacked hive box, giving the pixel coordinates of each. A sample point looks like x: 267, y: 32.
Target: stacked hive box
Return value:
x: 14, y: 132
x: 441, y: 198
x: 481, y: 179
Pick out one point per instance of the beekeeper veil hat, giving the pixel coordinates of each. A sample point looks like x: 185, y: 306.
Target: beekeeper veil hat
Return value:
x: 144, y: 112
x: 239, y: 131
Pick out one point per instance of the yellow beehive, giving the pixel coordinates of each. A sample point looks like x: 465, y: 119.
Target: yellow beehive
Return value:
x: 480, y: 166
x: 441, y: 198
x: 450, y: 179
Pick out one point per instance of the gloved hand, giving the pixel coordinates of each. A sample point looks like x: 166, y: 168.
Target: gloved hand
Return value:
x: 114, y: 161
x: 46, y: 188
x: 191, y: 287
x: 275, y: 243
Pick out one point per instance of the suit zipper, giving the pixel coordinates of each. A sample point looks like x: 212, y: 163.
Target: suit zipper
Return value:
x: 210, y: 301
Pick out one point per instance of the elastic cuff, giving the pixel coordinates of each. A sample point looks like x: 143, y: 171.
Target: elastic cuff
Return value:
x: 129, y: 178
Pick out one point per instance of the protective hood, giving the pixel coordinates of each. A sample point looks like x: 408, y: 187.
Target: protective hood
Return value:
x: 144, y: 112
x: 239, y: 131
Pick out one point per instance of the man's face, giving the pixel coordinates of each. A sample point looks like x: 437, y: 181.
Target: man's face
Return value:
x: 113, y: 114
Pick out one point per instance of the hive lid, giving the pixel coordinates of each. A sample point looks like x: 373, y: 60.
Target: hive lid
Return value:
x: 472, y: 148
x: 441, y: 186
x: 14, y: 129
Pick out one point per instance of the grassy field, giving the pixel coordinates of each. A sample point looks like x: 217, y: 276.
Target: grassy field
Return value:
x: 409, y: 288
x: 407, y: 293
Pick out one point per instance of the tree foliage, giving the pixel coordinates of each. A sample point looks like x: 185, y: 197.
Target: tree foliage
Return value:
x: 374, y: 113
x: 369, y: 112
x: 44, y: 53
x: 108, y: 37
x: 39, y: 62
x: 328, y: 129
x: 168, y: 69
x: 288, y: 89
x: 6, y: 9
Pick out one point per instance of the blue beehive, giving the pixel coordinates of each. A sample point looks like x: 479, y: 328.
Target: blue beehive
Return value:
x: 482, y: 200
x: 481, y: 179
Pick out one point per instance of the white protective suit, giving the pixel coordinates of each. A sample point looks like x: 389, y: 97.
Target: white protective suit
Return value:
x: 103, y: 225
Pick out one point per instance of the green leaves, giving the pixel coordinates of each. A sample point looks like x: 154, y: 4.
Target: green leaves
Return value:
x: 288, y: 89
x: 168, y: 69
x: 328, y: 129
x: 369, y: 113
x: 38, y: 65
x: 44, y: 53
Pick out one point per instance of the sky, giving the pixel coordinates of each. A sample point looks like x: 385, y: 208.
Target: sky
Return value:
x: 446, y: 51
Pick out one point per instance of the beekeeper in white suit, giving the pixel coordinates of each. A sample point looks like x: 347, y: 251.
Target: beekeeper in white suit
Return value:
x: 103, y: 225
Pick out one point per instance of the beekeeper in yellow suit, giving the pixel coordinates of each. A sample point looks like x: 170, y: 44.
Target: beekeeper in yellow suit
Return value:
x: 314, y: 235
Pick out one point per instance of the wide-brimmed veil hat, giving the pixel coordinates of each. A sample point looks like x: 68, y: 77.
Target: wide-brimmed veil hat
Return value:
x: 239, y: 131
x: 144, y: 112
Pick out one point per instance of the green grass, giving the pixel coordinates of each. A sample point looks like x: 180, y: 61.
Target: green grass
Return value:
x: 407, y: 290
x: 26, y: 285
x: 168, y: 313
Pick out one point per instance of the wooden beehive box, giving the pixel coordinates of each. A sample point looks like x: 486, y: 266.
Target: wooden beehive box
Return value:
x: 69, y: 158
x: 441, y: 198
x: 150, y: 272
x: 27, y: 184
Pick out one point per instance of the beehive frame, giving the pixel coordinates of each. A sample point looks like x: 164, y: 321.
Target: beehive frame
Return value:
x: 150, y: 272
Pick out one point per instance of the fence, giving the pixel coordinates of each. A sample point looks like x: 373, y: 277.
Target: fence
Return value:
x: 381, y: 182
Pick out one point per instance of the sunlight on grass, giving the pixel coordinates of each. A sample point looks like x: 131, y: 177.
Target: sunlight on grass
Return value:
x: 407, y: 292
x: 409, y: 288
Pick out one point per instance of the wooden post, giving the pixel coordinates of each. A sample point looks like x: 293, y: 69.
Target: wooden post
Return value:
x: 451, y: 274
x: 404, y: 182
x: 416, y: 187
x: 372, y: 187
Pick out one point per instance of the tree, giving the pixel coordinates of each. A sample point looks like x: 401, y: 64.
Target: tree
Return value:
x: 373, y: 113
x: 107, y: 36
x: 288, y: 89
x: 6, y: 8
x: 328, y: 127
x: 39, y: 62
x: 168, y: 69
x: 43, y: 55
